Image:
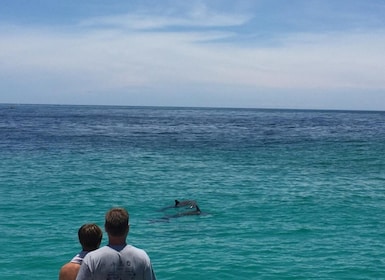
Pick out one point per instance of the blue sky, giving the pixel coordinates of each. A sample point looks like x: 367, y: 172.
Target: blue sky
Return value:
x: 312, y: 54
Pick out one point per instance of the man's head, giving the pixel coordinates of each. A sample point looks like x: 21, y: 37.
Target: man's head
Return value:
x: 117, y: 222
x: 90, y: 236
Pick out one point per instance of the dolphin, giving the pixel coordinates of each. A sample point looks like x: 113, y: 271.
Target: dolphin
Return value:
x: 183, y: 203
x: 195, y: 212
x: 178, y: 204
x: 167, y: 218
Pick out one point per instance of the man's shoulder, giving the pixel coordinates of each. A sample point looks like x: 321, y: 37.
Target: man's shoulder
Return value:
x: 107, y: 250
x: 98, y: 251
x: 134, y: 249
x: 137, y: 252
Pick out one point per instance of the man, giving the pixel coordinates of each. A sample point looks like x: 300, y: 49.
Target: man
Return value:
x: 90, y: 237
x: 117, y: 260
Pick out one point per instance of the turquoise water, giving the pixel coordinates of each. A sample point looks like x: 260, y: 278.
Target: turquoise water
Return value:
x: 286, y: 194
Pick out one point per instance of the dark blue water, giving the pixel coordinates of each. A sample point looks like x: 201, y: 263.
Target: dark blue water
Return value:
x: 287, y: 194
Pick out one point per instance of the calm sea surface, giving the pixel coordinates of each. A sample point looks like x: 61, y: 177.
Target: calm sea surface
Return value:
x: 286, y: 194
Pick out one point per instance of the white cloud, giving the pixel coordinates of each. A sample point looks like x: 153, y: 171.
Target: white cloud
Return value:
x: 197, y: 16
x: 113, y: 59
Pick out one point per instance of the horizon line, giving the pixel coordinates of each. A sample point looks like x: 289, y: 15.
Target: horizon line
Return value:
x: 194, y: 107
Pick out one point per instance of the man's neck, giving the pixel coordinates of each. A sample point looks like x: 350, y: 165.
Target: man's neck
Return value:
x: 116, y: 240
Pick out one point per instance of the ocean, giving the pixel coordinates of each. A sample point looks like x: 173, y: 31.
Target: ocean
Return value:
x: 284, y: 194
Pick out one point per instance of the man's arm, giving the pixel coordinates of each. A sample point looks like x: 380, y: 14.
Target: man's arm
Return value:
x: 149, y: 273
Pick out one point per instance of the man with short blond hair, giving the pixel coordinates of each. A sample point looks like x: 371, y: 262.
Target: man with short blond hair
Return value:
x: 117, y: 260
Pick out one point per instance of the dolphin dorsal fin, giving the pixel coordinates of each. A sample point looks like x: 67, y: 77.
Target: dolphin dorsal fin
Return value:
x: 176, y: 202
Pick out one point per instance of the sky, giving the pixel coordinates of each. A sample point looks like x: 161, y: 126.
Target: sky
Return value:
x: 297, y: 54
